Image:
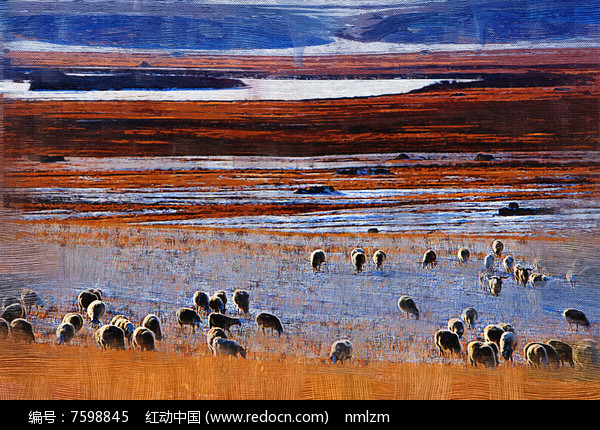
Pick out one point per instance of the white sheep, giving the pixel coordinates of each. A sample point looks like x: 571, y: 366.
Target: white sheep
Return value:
x: 508, y: 344
x: 508, y: 263
x: 153, y: 323
x: 224, y: 346
x: 143, y: 339
x: 469, y: 316
x: 577, y: 317
x: 65, y: 332
x: 480, y: 353
x: 457, y: 326
x: 341, y: 350
x: 96, y: 311
x: 429, y: 259
x: 408, y: 306
x: 379, y: 258
x: 497, y: 247
x: 489, y: 262
x: 463, y: 255
x: 359, y: 258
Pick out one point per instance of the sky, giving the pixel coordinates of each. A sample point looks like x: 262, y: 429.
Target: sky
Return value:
x: 275, y: 25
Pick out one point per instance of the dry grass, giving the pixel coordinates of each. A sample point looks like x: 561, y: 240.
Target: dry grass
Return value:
x: 45, y: 372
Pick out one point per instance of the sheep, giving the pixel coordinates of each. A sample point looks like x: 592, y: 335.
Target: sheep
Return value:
x: 585, y: 354
x: 478, y: 352
x: 341, y: 350
x: 536, y: 355
x: 359, y: 258
x: 125, y: 324
x: 201, y: 302
x: 216, y: 319
x: 564, y: 351
x: 493, y: 333
x: 457, y: 326
x: 447, y: 340
x: 216, y: 304
x: 408, y: 306
x: 463, y: 255
x: 242, y: 300
x: 14, y: 311
x: 497, y: 247
x: 65, y: 332
x: 188, y: 316
x: 30, y: 298
x: 429, y: 259
x: 4, y: 329
x: 153, y: 323
x: 223, y: 296
x: 508, y: 263
x: 550, y: 358
x: 508, y: 344
x: 143, y: 339
x: 22, y: 330
x: 489, y: 261
x: 74, y: 319
x: 317, y: 258
x: 506, y: 327
x: 495, y: 349
x: 538, y: 280
x: 212, y: 334
x: 266, y: 320
x: 224, y: 346
x: 577, y: 317
x: 379, y: 258
x: 522, y: 274
x: 469, y: 316
x: 96, y: 311
x: 495, y: 284
x: 110, y: 336
x: 97, y: 292
x: 85, y: 298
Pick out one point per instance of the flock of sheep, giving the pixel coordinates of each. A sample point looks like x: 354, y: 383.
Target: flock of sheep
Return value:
x: 499, y: 340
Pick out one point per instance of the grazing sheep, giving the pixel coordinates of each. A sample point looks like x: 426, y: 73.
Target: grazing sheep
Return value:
x: 143, y: 339
x: 30, y: 298
x: 480, y: 353
x: 224, y: 346
x: 201, y: 302
x: 506, y: 327
x: 14, y: 311
x: 85, y: 298
x: 457, y: 326
x: 538, y: 280
x: 4, y: 329
x: 379, y: 258
x: 152, y: 322
x: 216, y: 319
x: 493, y: 333
x: 490, y: 263
x: 463, y: 255
x: 585, y: 354
x: 126, y: 325
x: 536, y: 355
x: 97, y: 292
x: 508, y: 344
x: 551, y: 356
x: 216, y: 304
x: 110, y: 336
x: 341, y: 350
x: 497, y: 247
x: 188, y: 316
x: 577, y: 317
x: 317, y: 258
x: 521, y: 274
x: 496, y: 350
x: 212, y: 334
x: 7, y: 301
x: 21, y: 330
x: 241, y: 298
x: 359, y: 258
x: 508, y: 263
x: 65, y: 332
x: 408, y: 306
x: 96, y: 311
x: 74, y: 319
x: 495, y: 284
x: 429, y: 259
x: 266, y: 320
x: 469, y: 316
x: 564, y: 351
x: 447, y: 340
x: 223, y: 296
